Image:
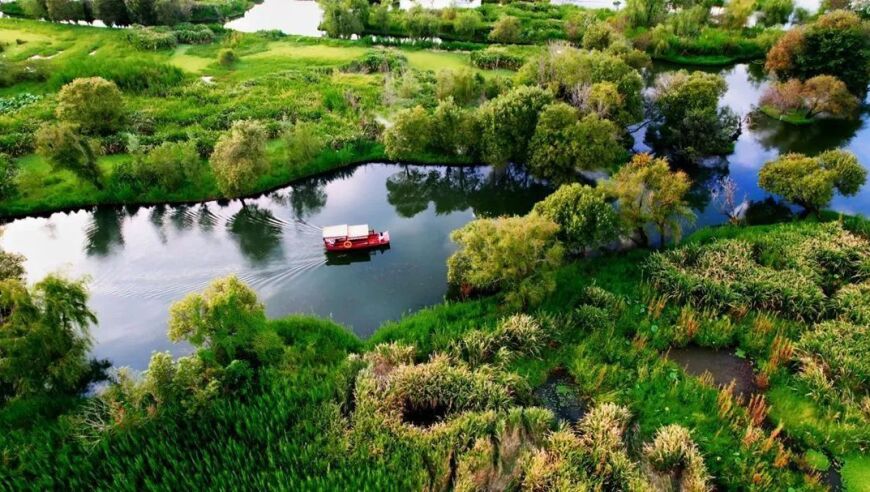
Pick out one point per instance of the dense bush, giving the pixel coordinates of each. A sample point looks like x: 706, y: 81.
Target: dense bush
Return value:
x: 129, y: 73
x: 792, y: 270
x: 378, y: 61
x: 811, y: 181
x: 94, y: 105
x: 496, y: 59
x: 585, y: 219
x: 514, y: 255
x: 837, y: 352
x: 152, y: 38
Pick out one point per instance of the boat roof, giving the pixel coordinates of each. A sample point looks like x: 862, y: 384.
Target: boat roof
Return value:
x: 344, y: 230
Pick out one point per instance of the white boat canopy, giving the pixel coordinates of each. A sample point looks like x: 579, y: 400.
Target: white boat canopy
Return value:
x: 345, y: 231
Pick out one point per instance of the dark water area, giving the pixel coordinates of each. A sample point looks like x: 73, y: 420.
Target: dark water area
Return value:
x: 560, y: 395
x: 762, y: 139
x: 140, y: 260
x: 723, y: 365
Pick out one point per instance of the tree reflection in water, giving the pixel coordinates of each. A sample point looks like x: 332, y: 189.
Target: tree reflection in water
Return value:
x: 257, y: 232
x: 488, y: 192
x: 105, y: 231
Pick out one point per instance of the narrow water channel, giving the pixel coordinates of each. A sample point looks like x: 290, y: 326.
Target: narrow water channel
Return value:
x: 140, y: 260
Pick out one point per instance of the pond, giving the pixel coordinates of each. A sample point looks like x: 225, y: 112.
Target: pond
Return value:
x: 142, y: 259
x: 763, y: 138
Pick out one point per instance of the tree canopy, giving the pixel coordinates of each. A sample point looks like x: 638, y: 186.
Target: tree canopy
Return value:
x: 66, y: 149
x: 239, y: 157
x: 94, y: 104
x: 585, y: 219
x: 811, y: 181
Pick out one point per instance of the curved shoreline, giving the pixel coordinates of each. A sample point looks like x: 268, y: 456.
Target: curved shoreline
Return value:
x: 6, y: 218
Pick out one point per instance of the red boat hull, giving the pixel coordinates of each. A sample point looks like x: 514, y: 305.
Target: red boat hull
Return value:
x: 374, y: 240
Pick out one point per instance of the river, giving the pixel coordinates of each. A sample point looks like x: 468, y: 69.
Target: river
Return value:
x: 142, y: 259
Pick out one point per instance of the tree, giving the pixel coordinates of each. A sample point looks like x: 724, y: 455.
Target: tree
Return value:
x: 421, y: 24
x: 44, y: 339
x: 601, y: 99
x: 645, y: 13
x: 11, y: 266
x: 344, y: 18
x: 584, y: 217
x: 811, y: 181
x: 507, y: 29
x: 647, y: 191
x: 8, y: 177
x: 598, y: 36
x: 410, y: 133
x: 379, y: 16
x: 171, y: 12
x: 776, y: 11
x: 737, y: 12
x: 239, y: 158
x: 227, y: 321
x: 467, y: 23
x: 514, y: 255
x: 564, y: 69
x: 454, y: 130
x: 563, y: 144
x: 112, y: 12
x: 94, y: 104
x: 64, y: 10
x: 837, y: 44
x: 508, y: 123
x: 689, y: 123
x: 827, y: 94
x: 577, y: 23
x: 142, y: 11
x: 66, y: 149
x: 463, y: 85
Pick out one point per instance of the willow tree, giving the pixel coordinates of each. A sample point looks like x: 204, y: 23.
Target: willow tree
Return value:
x: 239, y: 158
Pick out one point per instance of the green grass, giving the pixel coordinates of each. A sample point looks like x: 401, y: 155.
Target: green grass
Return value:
x: 792, y: 118
x: 856, y: 473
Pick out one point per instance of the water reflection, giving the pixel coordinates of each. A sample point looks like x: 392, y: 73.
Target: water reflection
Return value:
x: 488, y: 192
x: 141, y: 259
x: 257, y: 232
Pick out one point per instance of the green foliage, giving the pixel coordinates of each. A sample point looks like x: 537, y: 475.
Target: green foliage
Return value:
x: 378, y: 61
x: 690, y: 123
x: 647, y: 191
x: 44, y: 338
x: 454, y: 130
x: 564, y: 144
x: 585, y: 219
x: 67, y: 150
x: 11, y: 266
x: 170, y: 165
x: 464, y: 86
x: 304, y: 142
x: 506, y: 29
x: 112, y: 12
x: 8, y: 175
x: 837, y: 43
x: 514, y: 255
x: 791, y: 270
x: 227, y: 57
x: 343, y: 18
x: 776, y: 11
x: 508, y: 123
x: 496, y: 59
x: 420, y: 23
x: 94, y: 105
x: 409, y: 134
x: 152, y: 38
x: 239, y: 157
x: 570, y: 72
x: 811, y: 181
x: 517, y: 336
x: 838, y: 350
x: 227, y: 321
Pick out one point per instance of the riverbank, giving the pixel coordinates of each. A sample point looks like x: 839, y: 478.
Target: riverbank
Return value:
x: 603, y: 334
x: 67, y: 194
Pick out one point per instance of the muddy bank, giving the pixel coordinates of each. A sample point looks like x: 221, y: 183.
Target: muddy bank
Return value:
x: 723, y: 365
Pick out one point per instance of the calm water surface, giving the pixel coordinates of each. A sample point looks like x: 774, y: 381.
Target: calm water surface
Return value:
x: 141, y: 260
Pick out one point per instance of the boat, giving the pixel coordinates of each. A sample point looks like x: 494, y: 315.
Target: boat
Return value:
x: 345, y: 237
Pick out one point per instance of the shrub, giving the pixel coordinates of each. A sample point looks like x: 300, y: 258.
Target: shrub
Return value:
x: 841, y: 349
x: 507, y: 29
x: 519, y: 335
x: 304, y: 142
x: 227, y: 57
x: 170, y: 165
x: 152, y: 38
x: 8, y: 175
x: 378, y: 61
x: 811, y: 181
x: 584, y: 217
x: 239, y: 158
x: 94, y: 105
x: 496, y: 59
x: 508, y: 123
x: 514, y: 255
x: 410, y: 133
x: 463, y: 85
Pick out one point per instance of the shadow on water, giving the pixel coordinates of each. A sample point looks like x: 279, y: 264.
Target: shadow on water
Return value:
x: 489, y: 193
x: 257, y: 232
x: 724, y: 366
x: 560, y: 395
x: 351, y: 257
